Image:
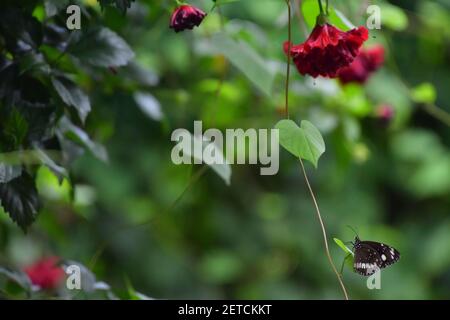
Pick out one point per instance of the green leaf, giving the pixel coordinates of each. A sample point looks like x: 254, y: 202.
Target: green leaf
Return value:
x: 310, y: 11
x: 349, y: 255
x: 17, y: 277
x: 102, y: 48
x: 223, y: 2
x: 223, y: 169
x: 16, y: 129
x: 45, y: 159
x: 343, y: 246
x: 247, y: 60
x: 305, y: 142
x: 133, y: 294
x: 76, y: 134
x: 72, y: 95
x: 149, y: 105
x: 424, y: 93
x: 393, y: 17
x: 19, y: 198
x: 8, y: 172
x: 122, y: 5
x: 52, y: 7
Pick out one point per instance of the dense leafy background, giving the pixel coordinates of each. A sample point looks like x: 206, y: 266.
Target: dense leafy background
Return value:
x: 93, y: 111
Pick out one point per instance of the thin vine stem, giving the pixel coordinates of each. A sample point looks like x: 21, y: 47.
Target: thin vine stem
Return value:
x: 319, y: 216
x: 320, y: 6
x: 288, y: 67
x: 324, y: 232
x: 438, y: 113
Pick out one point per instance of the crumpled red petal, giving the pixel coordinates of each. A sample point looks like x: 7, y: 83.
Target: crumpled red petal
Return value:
x: 327, y: 50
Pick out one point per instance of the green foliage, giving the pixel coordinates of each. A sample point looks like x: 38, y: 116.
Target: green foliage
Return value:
x: 393, y: 17
x: 101, y: 47
x: 20, y: 199
x: 86, y: 118
x: 304, y: 142
x: 424, y: 93
x: 310, y: 11
x: 122, y: 5
x: 246, y: 59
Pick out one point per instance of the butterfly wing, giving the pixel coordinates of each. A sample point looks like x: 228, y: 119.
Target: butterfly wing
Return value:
x: 367, y: 260
x: 388, y: 255
x: 371, y: 256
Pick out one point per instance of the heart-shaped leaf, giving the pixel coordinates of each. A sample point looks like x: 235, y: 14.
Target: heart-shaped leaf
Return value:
x: 304, y: 142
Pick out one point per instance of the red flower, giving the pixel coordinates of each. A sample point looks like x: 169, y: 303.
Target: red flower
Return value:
x: 46, y: 273
x: 186, y: 17
x: 327, y: 50
x: 385, y: 113
x: 367, y: 62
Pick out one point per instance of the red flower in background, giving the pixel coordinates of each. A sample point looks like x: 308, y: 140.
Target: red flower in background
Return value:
x: 46, y: 273
x: 327, y: 50
x: 186, y: 17
x: 367, y: 62
x: 385, y: 113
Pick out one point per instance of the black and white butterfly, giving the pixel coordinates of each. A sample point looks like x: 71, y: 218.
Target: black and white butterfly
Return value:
x: 372, y: 256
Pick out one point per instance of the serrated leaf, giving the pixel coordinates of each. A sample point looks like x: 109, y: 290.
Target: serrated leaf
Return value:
x: 247, y: 60
x: 72, y: 95
x: 19, y: 198
x: 304, y: 142
x: 8, y: 172
x: 122, y: 5
x: 102, y: 48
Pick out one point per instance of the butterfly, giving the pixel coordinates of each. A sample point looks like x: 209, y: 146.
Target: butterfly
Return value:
x: 372, y: 256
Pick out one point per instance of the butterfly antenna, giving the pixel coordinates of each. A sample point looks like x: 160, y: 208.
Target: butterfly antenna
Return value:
x: 354, y: 231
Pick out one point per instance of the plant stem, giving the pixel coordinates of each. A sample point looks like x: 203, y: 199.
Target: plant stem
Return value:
x: 324, y: 233
x: 326, y: 9
x: 327, y: 251
x: 320, y: 6
x: 288, y: 67
x: 438, y: 113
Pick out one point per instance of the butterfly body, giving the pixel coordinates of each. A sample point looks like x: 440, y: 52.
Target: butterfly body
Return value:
x: 372, y: 256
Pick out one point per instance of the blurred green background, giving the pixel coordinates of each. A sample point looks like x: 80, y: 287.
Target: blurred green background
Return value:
x: 258, y: 238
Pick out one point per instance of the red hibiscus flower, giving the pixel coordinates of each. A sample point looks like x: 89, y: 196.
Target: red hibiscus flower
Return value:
x: 46, y: 273
x: 186, y: 17
x: 367, y: 62
x: 327, y: 50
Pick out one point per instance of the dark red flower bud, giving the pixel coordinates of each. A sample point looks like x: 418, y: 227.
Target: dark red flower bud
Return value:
x: 186, y: 17
x: 46, y: 273
x: 367, y: 62
x: 327, y: 50
x: 385, y: 113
